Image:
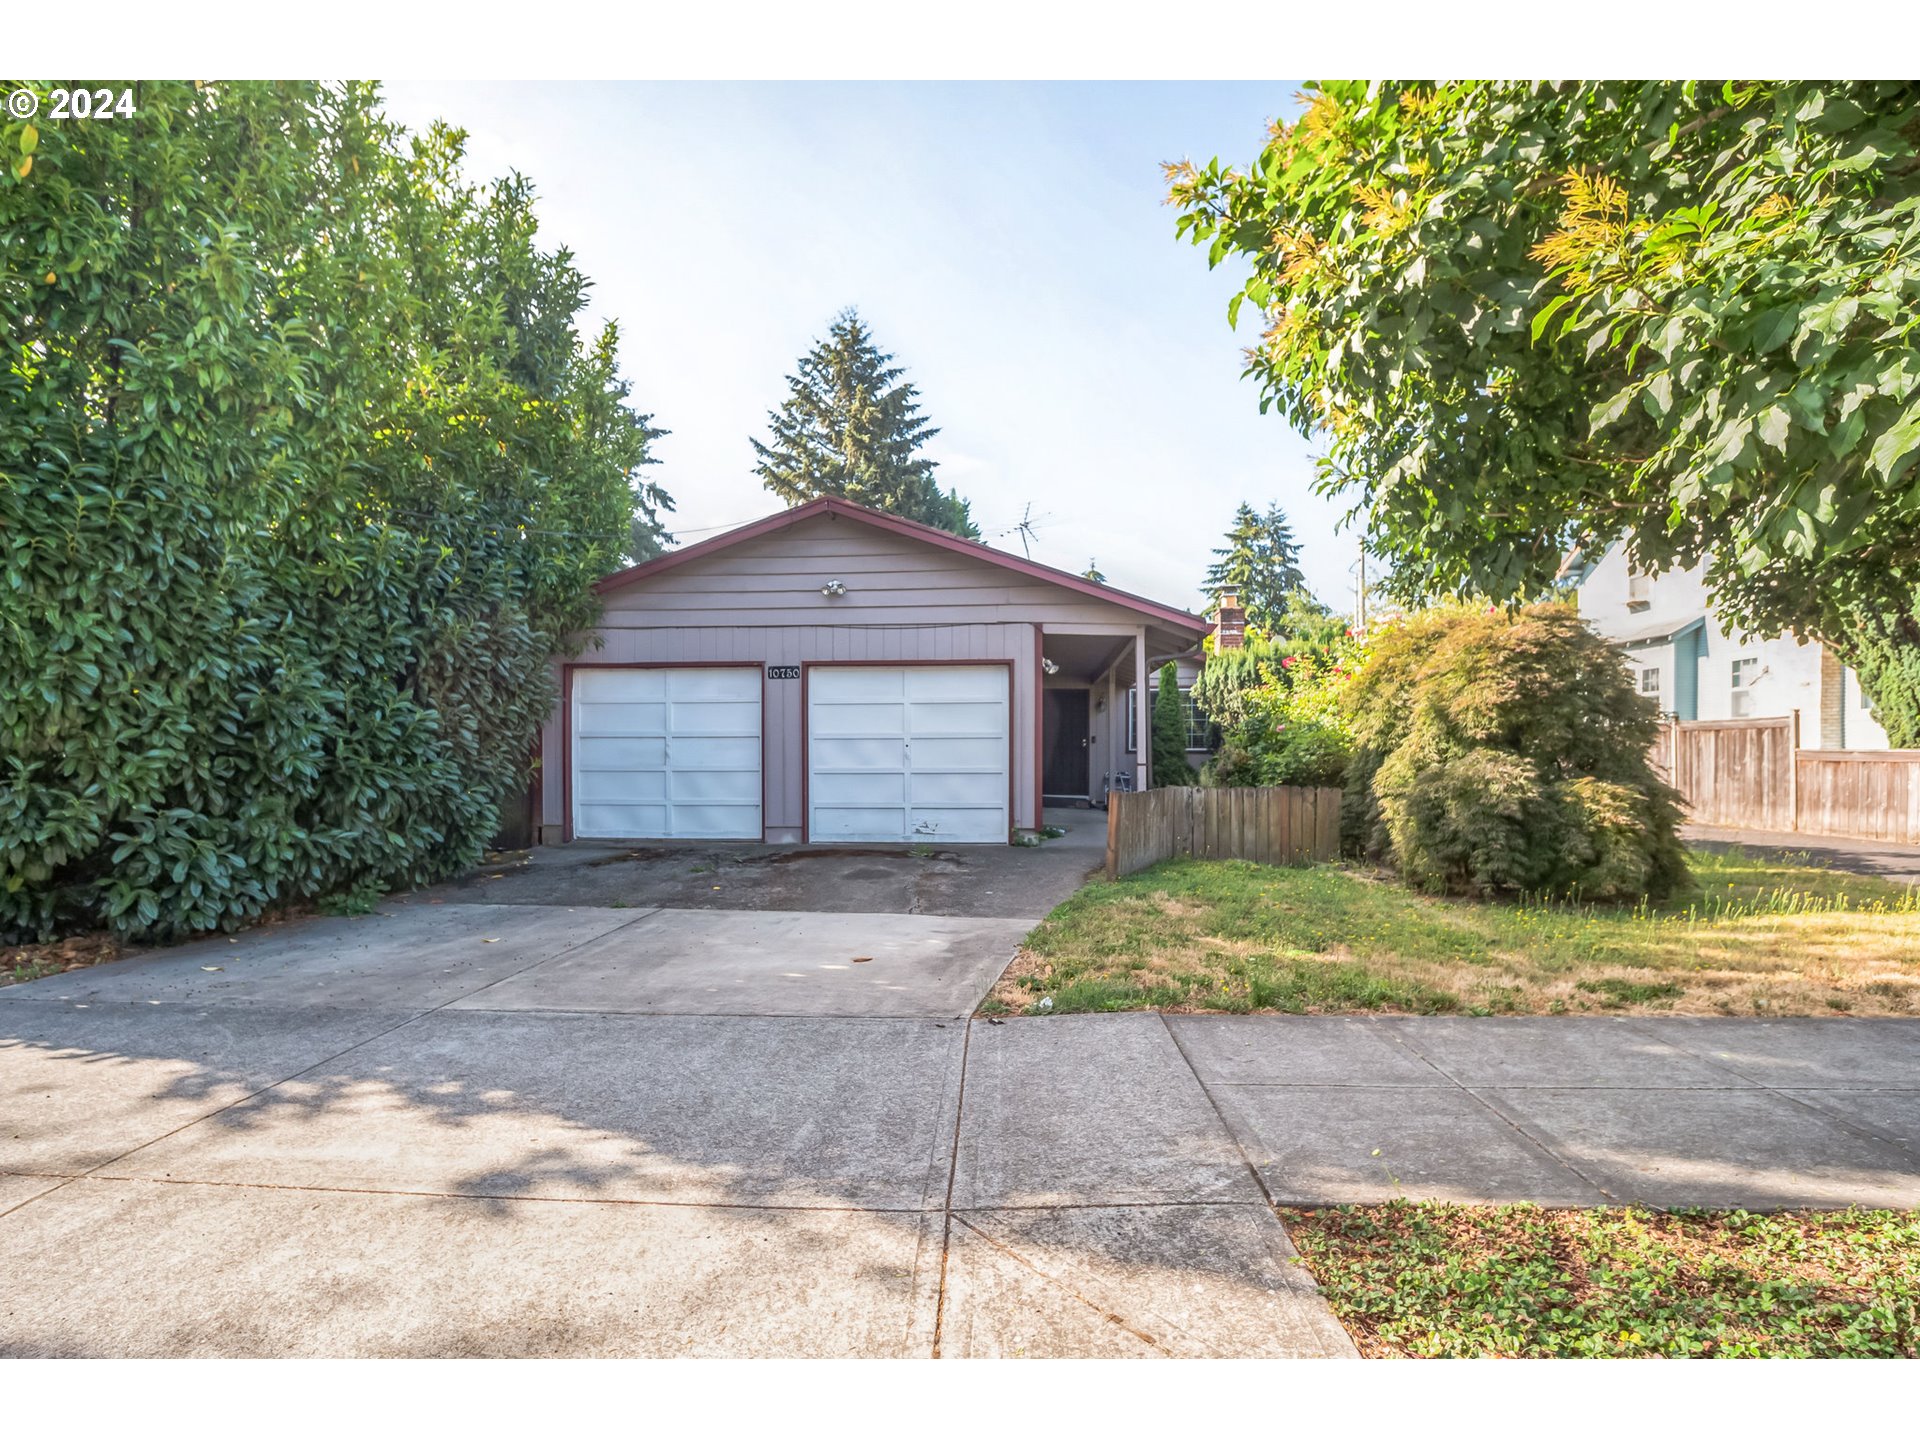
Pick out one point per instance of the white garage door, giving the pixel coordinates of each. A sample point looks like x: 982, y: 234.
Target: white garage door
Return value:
x: 908, y: 753
x: 666, y: 754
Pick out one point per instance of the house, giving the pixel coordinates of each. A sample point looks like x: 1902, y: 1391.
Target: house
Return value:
x: 833, y: 673
x: 1697, y: 668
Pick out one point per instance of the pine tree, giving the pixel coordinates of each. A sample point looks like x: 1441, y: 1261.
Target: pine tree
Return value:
x: 852, y: 427
x: 1261, y: 560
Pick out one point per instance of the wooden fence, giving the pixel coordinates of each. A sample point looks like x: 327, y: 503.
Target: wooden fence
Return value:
x: 1874, y: 794
x: 1751, y: 774
x: 1277, y: 825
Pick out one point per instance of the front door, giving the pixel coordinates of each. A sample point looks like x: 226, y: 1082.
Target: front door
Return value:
x: 1064, y: 770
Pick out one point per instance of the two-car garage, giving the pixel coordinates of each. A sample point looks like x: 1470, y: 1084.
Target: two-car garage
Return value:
x: 891, y: 753
x: 835, y: 674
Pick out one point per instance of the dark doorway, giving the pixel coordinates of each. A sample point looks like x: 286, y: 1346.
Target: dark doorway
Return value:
x: 1063, y: 771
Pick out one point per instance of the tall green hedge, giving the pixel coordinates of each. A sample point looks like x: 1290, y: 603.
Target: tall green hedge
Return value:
x: 305, y: 471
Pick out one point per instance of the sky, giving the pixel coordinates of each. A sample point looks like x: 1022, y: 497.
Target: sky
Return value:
x: 1008, y: 243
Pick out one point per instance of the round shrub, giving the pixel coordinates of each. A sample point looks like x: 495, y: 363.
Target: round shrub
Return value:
x: 1503, y: 752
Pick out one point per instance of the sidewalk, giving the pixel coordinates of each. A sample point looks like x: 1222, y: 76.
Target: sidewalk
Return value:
x: 1899, y: 863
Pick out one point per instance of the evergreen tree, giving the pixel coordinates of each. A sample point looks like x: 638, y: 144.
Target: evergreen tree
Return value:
x: 1261, y: 560
x: 852, y: 427
x: 1169, y: 752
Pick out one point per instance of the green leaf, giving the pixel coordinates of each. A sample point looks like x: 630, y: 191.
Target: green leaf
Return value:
x: 29, y: 139
x: 1610, y: 410
x: 1547, y: 312
x: 1894, y: 451
x: 1775, y: 327
x: 1773, y: 427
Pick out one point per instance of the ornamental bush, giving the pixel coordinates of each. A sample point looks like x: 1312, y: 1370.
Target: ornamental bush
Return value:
x: 305, y: 473
x: 1168, y: 752
x: 1290, y: 730
x: 1506, y: 752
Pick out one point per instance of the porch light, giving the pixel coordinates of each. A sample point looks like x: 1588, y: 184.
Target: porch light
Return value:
x: 1049, y: 666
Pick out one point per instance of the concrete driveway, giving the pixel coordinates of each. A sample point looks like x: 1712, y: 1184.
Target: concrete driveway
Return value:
x: 548, y: 1129
x: 391, y: 1135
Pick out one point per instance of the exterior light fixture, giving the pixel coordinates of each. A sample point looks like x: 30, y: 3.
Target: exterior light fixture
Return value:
x: 1049, y: 666
x: 834, y: 589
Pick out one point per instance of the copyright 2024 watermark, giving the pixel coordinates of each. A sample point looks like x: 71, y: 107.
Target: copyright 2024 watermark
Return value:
x: 73, y: 102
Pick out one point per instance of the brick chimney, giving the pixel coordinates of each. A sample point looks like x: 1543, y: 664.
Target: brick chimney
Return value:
x: 1229, y: 622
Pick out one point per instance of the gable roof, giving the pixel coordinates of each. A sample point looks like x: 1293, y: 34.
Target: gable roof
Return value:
x: 833, y: 505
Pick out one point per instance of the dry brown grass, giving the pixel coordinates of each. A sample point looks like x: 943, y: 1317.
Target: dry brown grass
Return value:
x: 1755, y: 938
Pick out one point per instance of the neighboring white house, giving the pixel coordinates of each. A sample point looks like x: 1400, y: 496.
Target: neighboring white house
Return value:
x: 1696, y: 668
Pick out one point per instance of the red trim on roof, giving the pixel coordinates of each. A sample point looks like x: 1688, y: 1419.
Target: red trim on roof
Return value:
x: 912, y: 530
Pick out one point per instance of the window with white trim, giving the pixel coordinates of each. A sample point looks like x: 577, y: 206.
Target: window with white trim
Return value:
x: 1199, y: 727
x: 1745, y: 671
x: 1650, y: 680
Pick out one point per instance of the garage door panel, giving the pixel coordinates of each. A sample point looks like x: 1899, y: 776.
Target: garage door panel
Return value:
x: 714, y: 717
x: 667, y: 753
x: 957, y: 682
x: 964, y: 753
x: 607, y: 752
x: 627, y: 718
x: 908, y: 753
x: 701, y: 684
x: 712, y: 822
x: 862, y: 754
x: 717, y: 752
x: 856, y: 683
x: 621, y: 820
x: 951, y: 788
x: 619, y: 686
x: 959, y: 717
x: 842, y: 717
x: 862, y: 789
x: 709, y: 787
x: 625, y: 787
x: 964, y: 826
x: 858, y: 822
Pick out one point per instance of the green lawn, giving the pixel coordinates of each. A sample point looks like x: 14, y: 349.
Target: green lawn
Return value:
x: 1756, y: 935
x: 1457, y: 1280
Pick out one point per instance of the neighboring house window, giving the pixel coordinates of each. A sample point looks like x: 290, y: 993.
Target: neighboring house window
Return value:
x: 1745, y: 672
x: 1199, y: 727
x: 1639, y: 590
x: 1650, y: 680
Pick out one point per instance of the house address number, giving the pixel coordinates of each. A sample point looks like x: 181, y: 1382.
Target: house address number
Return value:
x: 783, y: 672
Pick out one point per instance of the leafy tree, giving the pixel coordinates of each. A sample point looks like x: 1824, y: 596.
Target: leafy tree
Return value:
x: 852, y: 427
x: 1506, y: 752
x: 1307, y: 640
x: 305, y: 474
x: 1261, y: 560
x: 1527, y: 316
x: 1168, y: 756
